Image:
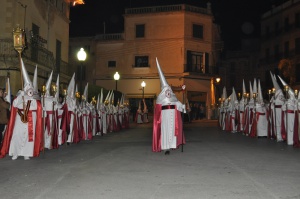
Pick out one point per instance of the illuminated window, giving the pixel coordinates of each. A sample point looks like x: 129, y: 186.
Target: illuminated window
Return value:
x: 198, y: 31
x: 112, y: 64
x: 140, y: 31
x: 141, y: 61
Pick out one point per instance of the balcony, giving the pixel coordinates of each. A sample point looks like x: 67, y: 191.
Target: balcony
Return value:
x: 199, y: 69
x: 37, y: 54
x: 110, y: 37
x: 167, y: 8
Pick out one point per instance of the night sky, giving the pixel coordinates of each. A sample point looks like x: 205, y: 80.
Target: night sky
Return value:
x: 236, y: 17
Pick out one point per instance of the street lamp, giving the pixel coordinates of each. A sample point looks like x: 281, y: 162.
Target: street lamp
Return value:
x: 143, y: 84
x: 19, y: 44
x: 116, y: 77
x: 81, y: 56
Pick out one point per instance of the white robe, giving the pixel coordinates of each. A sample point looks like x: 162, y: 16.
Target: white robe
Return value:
x: 19, y: 145
x: 168, y: 138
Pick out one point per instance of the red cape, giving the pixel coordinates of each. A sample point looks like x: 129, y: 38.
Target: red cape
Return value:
x: 38, y: 141
x: 156, y: 138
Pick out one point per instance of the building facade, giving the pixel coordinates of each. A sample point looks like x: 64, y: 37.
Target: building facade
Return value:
x: 46, y: 24
x: 183, y: 38
x: 280, y: 38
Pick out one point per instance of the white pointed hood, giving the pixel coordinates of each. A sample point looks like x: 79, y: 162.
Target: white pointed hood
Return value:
x: 48, y: 85
x: 163, y: 81
x: 57, y: 88
x: 28, y: 86
x: 251, y: 91
x: 166, y: 95
x: 35, y: 86
x: 101, y: 97
x: 260, y: 98
x: 8, y: 92
x: 274, y: 81
x: 98, y: 102
x: 224, y: 94
x: 106, y: 101
x: 244, y: 88
x: 254, y: 86
x: 85, y: 93
x: 71, y: 87
x: 290, y: 90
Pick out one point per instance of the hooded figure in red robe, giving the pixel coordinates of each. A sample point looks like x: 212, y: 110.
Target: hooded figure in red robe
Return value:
x: 23, y: 135
x: 167, y: 122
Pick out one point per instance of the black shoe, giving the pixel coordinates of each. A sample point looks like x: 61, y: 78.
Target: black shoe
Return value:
x: 167, y: 153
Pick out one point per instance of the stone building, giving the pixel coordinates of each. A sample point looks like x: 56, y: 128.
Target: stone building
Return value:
x: 183, y: 38
x: 46, y: 24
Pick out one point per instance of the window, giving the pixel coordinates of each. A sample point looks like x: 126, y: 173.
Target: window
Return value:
x: 112, y: 64
x: 140, y: 31
x: 198, y: 31
x: 141, y: 61
x: 195, y: 62
x: 286, y: 49
x: 297, y: 46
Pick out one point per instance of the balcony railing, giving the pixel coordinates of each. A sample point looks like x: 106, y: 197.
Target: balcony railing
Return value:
x: 200, y: 69
x: 36, y: 54
x: 109, y: 37
x: 168, y: 8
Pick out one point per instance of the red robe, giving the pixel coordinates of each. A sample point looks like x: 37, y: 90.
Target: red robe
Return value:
x: 156, y: 136
x: 39, y: 137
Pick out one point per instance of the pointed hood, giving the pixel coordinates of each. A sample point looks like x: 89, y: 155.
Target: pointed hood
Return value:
x: 145, y: 105
x: 107, y: 98
x: 98, y: 102
x: 166, y: 95
x: 244, y: 88
x: 28, y: 87
x: 224, y: 94
x: 290, y: 90
x: 163, y: 81
x: 251, y: 91
x: 101, y: 97
x: 57, y: 88
x: 48, y: 85
x: 8, y: 92
x: 140, y: 107
x: 234, y: 98
x: 35, y: 86
x: 254, y: 86
x: 71, y: 87
x: 260, y: 98
x: 85, y: 93
x: 274, y: 81
x: 112, y: 98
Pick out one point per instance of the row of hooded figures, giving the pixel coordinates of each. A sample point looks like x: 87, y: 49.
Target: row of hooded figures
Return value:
x: 38, y: 121
x: 142, y: 114
x: 251, y: 115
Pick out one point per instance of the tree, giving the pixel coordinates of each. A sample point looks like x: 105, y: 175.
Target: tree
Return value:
x: 287, y: 69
